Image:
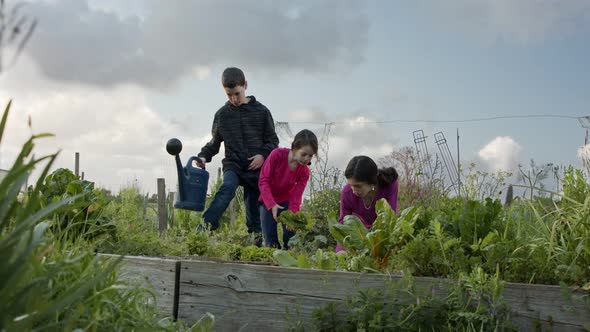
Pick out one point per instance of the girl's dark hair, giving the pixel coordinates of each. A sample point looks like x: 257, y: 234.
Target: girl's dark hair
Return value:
x: 232, y: 77
x: 364, y: 169
x: 303, y: 138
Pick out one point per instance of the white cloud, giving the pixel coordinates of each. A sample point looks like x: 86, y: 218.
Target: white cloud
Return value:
x: 502, y: 153
x: 584, y: 155
x: 584, y: 152
x: 360, y: 122
x: 202, y: 72
x: 307, y: 115
x: 520, y: 22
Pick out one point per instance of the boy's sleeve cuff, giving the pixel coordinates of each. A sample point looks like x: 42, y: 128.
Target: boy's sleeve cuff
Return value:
x: 201, y: 155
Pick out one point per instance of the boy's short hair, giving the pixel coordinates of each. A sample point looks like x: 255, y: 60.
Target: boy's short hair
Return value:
x: 232, y: 77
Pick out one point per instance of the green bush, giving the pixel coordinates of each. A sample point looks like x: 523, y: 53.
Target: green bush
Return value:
x: 323, y: 204
x: 423, y: 257
x: 83, y: 216
x: 197, y: 243
x: 52, y: 282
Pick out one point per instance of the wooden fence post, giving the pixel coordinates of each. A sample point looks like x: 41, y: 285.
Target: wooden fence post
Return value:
x: 162, y: 205
x: 171, y: 207
x: 145, y: 204
x: 509, y: 196
x: 77, y: 165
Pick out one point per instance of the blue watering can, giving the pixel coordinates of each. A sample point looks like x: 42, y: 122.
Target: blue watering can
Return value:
x: 192, y: 181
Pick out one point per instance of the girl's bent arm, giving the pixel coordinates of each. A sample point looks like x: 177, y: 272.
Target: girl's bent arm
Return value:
x: 297, y: 193
x: 264, y: 182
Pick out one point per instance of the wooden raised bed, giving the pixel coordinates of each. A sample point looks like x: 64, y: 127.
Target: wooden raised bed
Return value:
x: 250, y: 297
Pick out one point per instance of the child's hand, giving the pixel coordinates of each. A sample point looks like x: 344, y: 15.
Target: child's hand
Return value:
x: 201, y: 162
x: 256, y: 162
x: 275, y: 211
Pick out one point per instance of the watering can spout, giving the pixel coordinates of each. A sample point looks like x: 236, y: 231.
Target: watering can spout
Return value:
x: 192, y: 181
x: 181, y: 177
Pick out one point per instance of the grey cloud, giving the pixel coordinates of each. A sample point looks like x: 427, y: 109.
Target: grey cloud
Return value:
x: 513, y: 22
x: 77, y: 42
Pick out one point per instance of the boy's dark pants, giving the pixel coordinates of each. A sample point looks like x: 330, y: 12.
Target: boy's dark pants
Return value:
x: 227, y: 191
x: 269, y: 228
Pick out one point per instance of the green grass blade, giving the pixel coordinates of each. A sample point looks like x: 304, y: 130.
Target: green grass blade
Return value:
x: 4, y: 118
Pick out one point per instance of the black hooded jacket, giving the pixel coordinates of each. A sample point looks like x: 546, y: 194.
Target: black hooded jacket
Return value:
x: 245, y: 131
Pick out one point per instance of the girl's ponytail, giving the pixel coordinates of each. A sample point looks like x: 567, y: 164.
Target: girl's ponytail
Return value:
x: 386, y: 176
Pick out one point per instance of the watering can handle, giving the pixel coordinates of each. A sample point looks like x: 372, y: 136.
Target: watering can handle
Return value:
x: 189, y: 164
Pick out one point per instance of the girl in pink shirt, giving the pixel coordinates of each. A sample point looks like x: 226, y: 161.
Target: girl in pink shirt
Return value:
x: 366, y: 185
x: 282, y: 181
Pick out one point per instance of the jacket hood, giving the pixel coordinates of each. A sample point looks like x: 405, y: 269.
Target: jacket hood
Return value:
x: 252, y: 102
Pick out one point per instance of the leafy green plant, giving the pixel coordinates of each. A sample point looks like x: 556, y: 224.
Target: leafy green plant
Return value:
x: 575, y: 187
x: 479, y: 185
x: 257, y: 254
x: 235, y: 252
x: 351, y: 234
x: 306, y: 243
x: 569, y: 242
x: 84, y: 216
x: 474, y: 219
x: 388, y: 234
x: 477, y: 303
x: 323, y: 260
x: 128, y: 206
x: 197, y: 243
x: 323, y: 204
x: 139, y: 240
x: 23, y: 225
x: 431, y: 256
x: 295, y: 221
x: 398, y: 307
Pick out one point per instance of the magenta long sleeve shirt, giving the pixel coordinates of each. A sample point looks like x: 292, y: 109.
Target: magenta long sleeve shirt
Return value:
x: 350, y: 204
x: 279, y: 184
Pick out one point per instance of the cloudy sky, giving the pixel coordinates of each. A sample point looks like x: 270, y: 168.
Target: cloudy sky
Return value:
x: 114, y: 80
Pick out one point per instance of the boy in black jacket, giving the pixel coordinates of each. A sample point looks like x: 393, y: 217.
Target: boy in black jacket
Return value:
x: 247, y: 130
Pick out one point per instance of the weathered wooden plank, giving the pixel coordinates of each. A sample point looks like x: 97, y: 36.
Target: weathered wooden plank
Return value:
x: 250, y: 297
x: 256, y: 296
x: 545, y: 306
x: 528, y: 324
x: 156, y: 274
